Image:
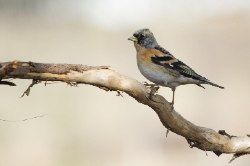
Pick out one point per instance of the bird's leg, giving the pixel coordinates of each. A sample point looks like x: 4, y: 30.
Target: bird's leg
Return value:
x: 172, y: 103
x: 153, y: 89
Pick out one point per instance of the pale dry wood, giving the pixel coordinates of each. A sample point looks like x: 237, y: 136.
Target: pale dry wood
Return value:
x: 200, y: 137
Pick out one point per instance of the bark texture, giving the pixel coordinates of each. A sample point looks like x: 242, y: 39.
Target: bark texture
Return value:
x: 101, y: 76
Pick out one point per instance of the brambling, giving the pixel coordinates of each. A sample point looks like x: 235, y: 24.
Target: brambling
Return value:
x: 161, y: 67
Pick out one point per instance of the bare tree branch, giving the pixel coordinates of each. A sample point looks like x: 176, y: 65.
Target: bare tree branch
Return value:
x: 200, y: 137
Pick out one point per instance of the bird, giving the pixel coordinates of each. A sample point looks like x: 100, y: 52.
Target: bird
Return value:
x: 161, y: 67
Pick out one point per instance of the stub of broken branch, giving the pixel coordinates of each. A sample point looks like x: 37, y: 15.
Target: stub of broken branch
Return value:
x: 101, y: 76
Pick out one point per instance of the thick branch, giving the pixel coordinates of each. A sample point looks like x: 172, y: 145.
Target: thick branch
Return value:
x: 200, y: 137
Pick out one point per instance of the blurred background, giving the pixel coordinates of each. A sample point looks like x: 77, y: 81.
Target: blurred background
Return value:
x: 85, y: 125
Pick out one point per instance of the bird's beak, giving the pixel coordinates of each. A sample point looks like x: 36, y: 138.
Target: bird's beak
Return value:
x: 134, y: 39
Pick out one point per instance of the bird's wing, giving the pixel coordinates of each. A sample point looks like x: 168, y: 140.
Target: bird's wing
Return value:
x: 164, y: 58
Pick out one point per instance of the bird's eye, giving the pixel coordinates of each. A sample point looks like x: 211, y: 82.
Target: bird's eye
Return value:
x: 141, y: 36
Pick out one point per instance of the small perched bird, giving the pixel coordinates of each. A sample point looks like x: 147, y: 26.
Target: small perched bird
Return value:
x: 162, y: 68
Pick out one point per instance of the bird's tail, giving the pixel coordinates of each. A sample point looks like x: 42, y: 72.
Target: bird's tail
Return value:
x: 210, y: 83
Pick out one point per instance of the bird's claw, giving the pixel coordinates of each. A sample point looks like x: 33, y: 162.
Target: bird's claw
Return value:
x: 153, y: 89
x: 149, y: 85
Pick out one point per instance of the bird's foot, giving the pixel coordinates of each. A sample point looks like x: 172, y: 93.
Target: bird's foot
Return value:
x: 153, y: 89
x: 149, y: 85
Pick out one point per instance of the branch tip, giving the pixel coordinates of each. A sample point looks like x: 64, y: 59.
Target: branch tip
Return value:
x: 7, y: 83
x: 74, y: 84
x: 27, y: 92
x: 167, y: 133
x: 104, y: 88
x: 206, y: 152
x: 236, y: 155
x: 223, y: 132
x: 119, y: 93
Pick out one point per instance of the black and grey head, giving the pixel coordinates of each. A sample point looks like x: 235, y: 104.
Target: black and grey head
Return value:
x: 145, y: 38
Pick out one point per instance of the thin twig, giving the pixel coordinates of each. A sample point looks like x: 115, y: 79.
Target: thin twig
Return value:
x: 4, y: 120
x: 27, y: 92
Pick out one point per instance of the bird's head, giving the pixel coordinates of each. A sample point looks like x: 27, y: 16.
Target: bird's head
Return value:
x: 145, y: 38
